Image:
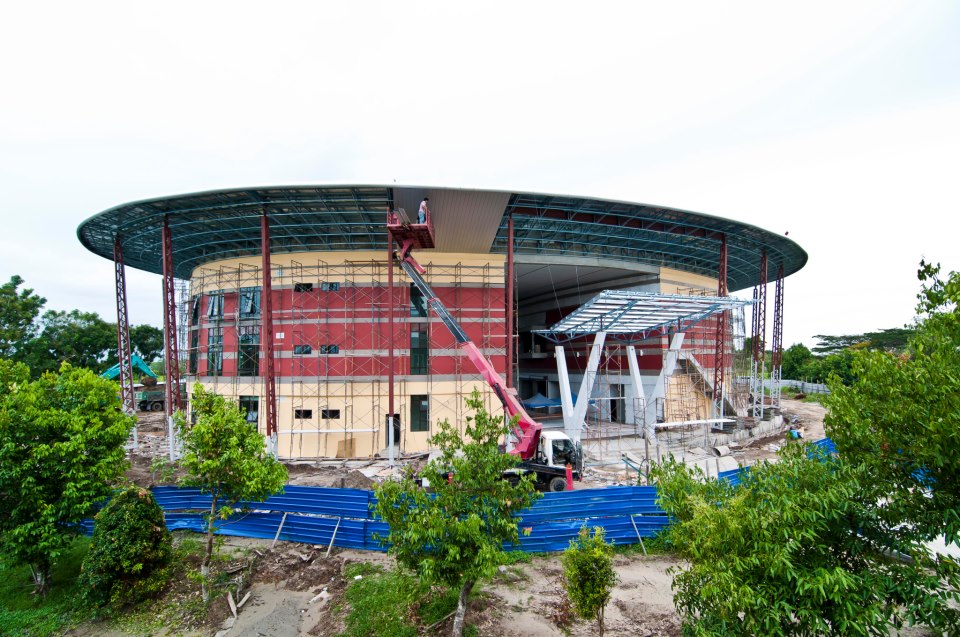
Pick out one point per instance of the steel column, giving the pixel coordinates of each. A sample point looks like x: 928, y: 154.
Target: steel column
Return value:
x: 511, y: 343
x: 719, y: 356
x: 123, y: 331
x: 776, y: 363
x: 171, y: 356
x: 759, y: 349
x: 390, y: 353
x: 269, y: 373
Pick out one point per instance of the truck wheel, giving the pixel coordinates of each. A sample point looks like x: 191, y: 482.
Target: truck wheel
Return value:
x: 142, y: 406
x: 156, y: 406
x: 558, y: 484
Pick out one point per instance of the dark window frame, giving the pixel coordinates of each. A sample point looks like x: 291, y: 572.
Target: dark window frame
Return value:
x: 419, y: 418
x: 303, y: 414
x: 330, y: 414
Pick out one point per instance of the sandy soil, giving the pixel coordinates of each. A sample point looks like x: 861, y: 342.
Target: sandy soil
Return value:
x: 291, y: 598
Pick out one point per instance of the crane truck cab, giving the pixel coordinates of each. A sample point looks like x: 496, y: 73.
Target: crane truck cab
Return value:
x: 555, y: 450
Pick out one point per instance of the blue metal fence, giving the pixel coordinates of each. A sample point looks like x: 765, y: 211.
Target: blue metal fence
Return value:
x: 317, y: 515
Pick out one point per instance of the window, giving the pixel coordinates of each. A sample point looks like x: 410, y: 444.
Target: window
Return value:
x: 418, y: 303
x: 249, y: 300
x: 215, y: 305
x: 303, y: 414
x: 330, y: 287
x: 249, y: 406
x: 419, y: 412
x: 330, y: 414
x: 302, y: 287
x: 329, y: 349
x: 419, y: 350
x: 248, y: 356
x: 214, y: 351
x: 195, y: 311
x: 300, y: 350
x: 194, y: 350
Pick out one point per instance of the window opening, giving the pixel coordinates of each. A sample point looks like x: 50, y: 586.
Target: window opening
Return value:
x: 419, y: 412
x: 419, y: 350
x: 194, y: 350
x: 303, y: 414
x: 418, y: 302
x: 330, y: 414
x: 300, y: 350
x: 302, y: 287
x: 248, y: 363
x: 215, y: 351
x: 329, y: 349
x: 249, y: 406
x: 249, y: 302
x: 215, y: 305
x: 328, y: 286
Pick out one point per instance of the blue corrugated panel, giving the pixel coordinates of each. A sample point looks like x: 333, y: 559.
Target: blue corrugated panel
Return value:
x: 593, y: 503
x: 352, y: 503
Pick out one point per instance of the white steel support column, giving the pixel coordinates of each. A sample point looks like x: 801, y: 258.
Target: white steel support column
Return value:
x: 566, y: 399
x: 669, y: 366
x: 649, y: 426
x: 574, y: 415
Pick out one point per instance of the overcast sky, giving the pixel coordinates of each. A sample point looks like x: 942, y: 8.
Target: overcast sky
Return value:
x: 838, y: 122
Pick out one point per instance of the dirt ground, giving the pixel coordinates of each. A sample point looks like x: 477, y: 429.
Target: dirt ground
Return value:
x: 294, y: 588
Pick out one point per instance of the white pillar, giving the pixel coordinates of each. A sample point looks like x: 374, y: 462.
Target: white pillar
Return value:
x: 649, y: 424
x: 574, y: 415
x: 669, y: 366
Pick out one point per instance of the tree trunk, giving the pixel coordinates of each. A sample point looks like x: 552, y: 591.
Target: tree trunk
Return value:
x: 40, y: 574
x: 461, y: 608
x: 208, y: 554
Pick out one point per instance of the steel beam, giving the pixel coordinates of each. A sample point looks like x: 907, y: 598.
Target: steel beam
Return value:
x: 171, y: 356
x: 123, y: 333
x: 269, y: 372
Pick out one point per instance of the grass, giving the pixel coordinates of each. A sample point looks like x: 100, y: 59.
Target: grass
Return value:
x: 25, y: 615
x: 392, y: 604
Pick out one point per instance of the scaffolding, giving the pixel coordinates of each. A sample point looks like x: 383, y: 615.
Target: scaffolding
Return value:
x: 331, y: 328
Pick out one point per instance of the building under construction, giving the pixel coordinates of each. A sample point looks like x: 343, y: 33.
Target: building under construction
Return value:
x: 609, y: 313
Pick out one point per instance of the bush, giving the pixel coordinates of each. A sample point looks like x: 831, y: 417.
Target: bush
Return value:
x: 588, y: 574
x: 130, y: 550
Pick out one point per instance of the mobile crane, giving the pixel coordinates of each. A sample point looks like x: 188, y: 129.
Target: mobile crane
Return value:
x: 546, y: 454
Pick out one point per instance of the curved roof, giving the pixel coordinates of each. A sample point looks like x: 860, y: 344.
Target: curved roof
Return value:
x: 222, y: 224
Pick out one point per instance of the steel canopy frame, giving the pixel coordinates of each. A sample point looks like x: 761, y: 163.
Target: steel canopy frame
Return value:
x: 217, y: 225
x: 633, y: 315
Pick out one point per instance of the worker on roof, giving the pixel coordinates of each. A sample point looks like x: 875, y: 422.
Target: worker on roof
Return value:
x: 424, y: 210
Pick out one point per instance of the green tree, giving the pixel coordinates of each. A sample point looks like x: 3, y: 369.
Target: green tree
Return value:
x: 797, y: 549
x: 82, y: 339
x: 225, y: 457
x: 146, y: 341
x: 588, y: 574
x: 901, y: 418
x: 893, y: 339
x: 129, y: 552
x: 18, y: 315
x: 796, y: 358
x: 61, y: 447
x: 455, y: 536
